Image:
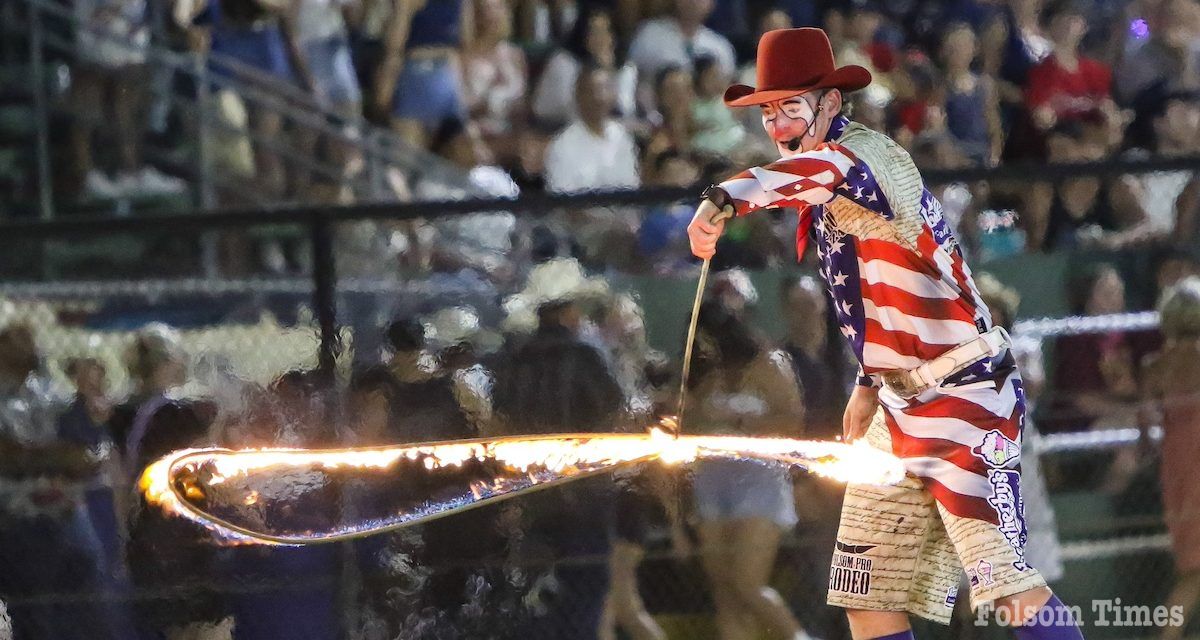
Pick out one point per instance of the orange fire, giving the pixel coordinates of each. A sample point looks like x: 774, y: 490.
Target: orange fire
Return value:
x: 278, y: 496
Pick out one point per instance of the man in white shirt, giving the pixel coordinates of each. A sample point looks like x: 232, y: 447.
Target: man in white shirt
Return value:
x: 595, y: 151
x: 678, y: 39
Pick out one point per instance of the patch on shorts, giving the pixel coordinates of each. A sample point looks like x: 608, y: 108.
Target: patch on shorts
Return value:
x: 982, y: 573
x: 997, y: 450
x: 850, y: 571
x: 1009, y: 505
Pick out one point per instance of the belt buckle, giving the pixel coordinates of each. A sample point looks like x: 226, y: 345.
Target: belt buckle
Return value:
x: 900, y: 383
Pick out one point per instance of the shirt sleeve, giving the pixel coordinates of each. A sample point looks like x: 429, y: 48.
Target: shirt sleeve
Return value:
x: 808, y: 178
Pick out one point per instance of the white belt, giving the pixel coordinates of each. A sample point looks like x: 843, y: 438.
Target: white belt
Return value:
x: 908, y: 383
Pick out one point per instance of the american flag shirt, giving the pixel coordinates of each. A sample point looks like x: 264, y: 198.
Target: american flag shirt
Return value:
x: 903, y: 295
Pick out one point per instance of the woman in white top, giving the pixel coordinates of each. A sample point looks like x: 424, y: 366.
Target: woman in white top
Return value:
x: 592, y: 41
x: 495, y: 78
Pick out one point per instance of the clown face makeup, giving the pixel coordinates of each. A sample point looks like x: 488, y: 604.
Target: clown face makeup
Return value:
x: 790, y: 123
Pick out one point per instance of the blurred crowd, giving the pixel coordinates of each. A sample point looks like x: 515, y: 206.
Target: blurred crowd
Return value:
x: 84, y: 552
x: 579, y: 95
x: 558, y: 564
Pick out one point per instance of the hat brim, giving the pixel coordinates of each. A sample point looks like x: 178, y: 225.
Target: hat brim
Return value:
x: 848, y: 78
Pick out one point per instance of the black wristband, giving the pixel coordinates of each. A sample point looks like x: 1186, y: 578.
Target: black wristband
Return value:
x: 864, y: 380
x: 718, y: 196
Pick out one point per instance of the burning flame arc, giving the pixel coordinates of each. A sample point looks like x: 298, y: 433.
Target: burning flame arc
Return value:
x: 302, y: 496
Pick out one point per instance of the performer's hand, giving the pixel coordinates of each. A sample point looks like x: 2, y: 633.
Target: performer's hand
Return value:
x: 860, y: 410
x: 703, y: 231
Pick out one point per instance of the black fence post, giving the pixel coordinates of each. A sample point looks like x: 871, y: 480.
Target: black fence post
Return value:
x: 324, y: 293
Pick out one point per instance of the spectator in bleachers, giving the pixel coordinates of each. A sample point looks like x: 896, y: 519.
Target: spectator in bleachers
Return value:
x: 1170, y: 267
x: 1029, y: 40
x: 717, y: 131
x: 48, y: 545
x: 323, y: 46
x: 324, y: 42
x: 1083, y: 211
x: 1095, y: 375
x: 920, y: 109
x: 662, y: 234
x: 1067, y: 85
x: 418, y: 84
x: 592, y: 42
x: 463, y: 144
x: 108, y: 95
x: 463, y: 351
x: 971, y: 104
x: 673, y: 125
x: 611, y: 156
x: 1171, y: 199
x: 1170, y: 390
x: 824, y: 369
x: 622, y: 332
x: 157, y: 365
x: 863, y: 47
x: 86, y: 421
x: 734, y: 291
x: 1166, y: 54
x: 495, y: 77
x: 429, y: 395
x: 249, y: 41
x: 739, y: 386
x: 678, y: 39
x: 999, y: 43
x: 371, y: 406
x: 556, y: 381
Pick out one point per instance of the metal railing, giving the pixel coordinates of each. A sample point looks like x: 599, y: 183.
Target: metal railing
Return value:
x: 380, y: 149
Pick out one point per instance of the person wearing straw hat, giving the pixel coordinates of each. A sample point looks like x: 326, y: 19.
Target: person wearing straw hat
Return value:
x: 937, y: 385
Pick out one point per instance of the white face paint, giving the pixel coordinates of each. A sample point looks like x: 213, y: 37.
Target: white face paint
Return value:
x: 791, y: 123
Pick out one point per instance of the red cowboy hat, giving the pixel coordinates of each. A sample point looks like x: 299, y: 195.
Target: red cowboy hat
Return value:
x: 793, y: 61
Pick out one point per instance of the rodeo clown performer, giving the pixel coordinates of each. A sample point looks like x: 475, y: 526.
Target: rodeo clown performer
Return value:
x: 937, y: 385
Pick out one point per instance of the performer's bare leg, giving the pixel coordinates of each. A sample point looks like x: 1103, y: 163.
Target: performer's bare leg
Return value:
x: 624, y: 607
x: 866, y: 625
x: 755, y: 543
x: 1020, y: 607
x: 717, y: 555
x: 1185, y: 595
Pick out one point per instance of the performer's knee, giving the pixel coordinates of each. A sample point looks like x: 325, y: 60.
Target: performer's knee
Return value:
x: 877, y: 625
x: 1019, y: 608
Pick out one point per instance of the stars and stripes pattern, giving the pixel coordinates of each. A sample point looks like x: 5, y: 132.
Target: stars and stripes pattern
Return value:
x: 899, y: 305
x: 808, y: 178
x: 939, y: 441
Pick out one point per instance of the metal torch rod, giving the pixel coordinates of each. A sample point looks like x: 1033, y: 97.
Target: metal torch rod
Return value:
x: 691, y: 334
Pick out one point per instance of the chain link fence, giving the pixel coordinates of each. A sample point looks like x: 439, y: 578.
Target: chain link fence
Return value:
x: 136, y: 341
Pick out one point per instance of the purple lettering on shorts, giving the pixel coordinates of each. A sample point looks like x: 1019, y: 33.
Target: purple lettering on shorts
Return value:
x: 1009, y: 505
